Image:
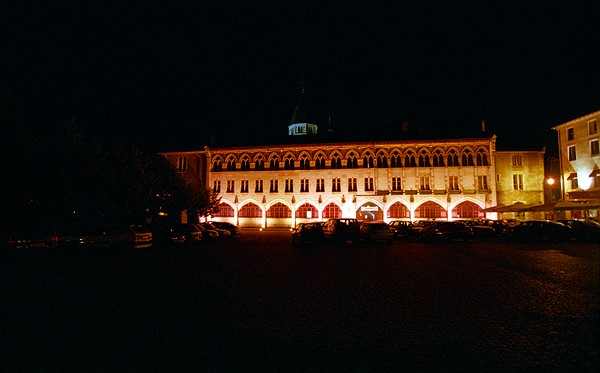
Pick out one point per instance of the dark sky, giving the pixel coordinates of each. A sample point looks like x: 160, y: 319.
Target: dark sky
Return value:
x: 180, y: 75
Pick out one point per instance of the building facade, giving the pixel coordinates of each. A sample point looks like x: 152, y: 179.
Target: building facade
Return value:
x: 579, y: 149
x: 279, y: 186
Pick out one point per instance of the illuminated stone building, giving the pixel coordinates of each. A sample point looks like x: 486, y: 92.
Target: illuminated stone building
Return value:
x: 579, y: 149
x: 281, y: 185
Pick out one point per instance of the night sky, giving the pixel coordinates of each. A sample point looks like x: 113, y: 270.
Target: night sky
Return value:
x: 179, y: 75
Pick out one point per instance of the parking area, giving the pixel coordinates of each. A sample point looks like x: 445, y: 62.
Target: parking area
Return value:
x: 259, y: 303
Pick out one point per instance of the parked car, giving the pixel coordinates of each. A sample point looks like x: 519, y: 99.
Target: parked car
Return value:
x: 165, y: 236
x: 341, y: 230
x: 481, y: 228
x: 191, y: 233
x: 446, y: 230
x: 136, y: 236
x: 304, y: 232
x: 540, y: 230
x: 82, y: 236
x: 223, y: 233
x: 232, y: 228
x: 376, y: 231
x: 401, y: 228
x: 207, y: 233
x: 415, y: 228
x: 584, y: 230
x: 30, y: 237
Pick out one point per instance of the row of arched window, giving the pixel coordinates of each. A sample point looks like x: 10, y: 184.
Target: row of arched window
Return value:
x: 428, y: 210
x: 394, y: 160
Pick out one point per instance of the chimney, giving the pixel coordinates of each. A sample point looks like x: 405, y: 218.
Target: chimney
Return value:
x: 404, y: 125
x: 483, y: 125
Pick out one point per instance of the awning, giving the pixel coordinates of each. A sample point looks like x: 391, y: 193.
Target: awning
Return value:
x: 562, y: 206
x: 572, y: 176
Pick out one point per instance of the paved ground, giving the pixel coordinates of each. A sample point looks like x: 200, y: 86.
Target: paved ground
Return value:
x: 257, y: 303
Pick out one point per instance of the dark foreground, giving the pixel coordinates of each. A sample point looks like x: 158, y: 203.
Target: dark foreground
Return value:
x: 256, y: 303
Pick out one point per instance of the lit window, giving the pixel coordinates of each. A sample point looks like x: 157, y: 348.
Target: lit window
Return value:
x: 258, y: 186
x: 594, y: 149
x: 593, y: 127
x: 517, y: 160
x: 274, y: 187
x: 453, y: 183
x: 570, y: 134
x: 335, y: 185
x: 244, y: 188
x: 289, y: 185
x: 424, y: 183
x: 368, y: 184
x: 352, y: 184
x: 482, y: 183
x: 304, y: 185
x: 320, y: 185
x: 182, y: 164
x: 572, y: 153
x: 518, y: 182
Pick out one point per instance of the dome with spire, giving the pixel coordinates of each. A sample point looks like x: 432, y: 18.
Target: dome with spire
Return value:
x: 299, y: 125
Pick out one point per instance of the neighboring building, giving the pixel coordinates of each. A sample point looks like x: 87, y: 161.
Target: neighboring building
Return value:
x: 579, y: 148
x: 520, y: 178
x: 281, y: 185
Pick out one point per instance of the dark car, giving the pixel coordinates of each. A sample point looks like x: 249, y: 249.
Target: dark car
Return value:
x: 401, y: 228
x: 223, y: 233
x: 376, y: 231
x: 304, y: 232
x: 31, y: 237
x: 540, y: 231
x: 482, y: 229
x: 584, y: 230
x: 191, y: 233
x: 165, y: 236
x: 232, y: 228
x: 341, y: 230
x: 446, y: 230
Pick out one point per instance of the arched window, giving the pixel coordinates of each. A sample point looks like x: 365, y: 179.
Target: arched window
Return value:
x: 382, y: 161
x: 274, y: 164
x: 352, y: 161
x: 368, y: 161
x: 452, y: 158
x: 467, y: 210
x: 332, y: 211
x: 424, y: 160
x: 279, y: 210
x: 395, y: 160
x: 319, y: 162
x: 430, y: 210
x: 438, y: 159
x: 250, y: 210
x: 409, y: 160
x: 225, y: 211
x: 231, y: 164
x: 307, y: 211
x: 304, y: 163
x: 245, y: 164
x: 467, y: 158
x: 259, y: 164
x: 482, y: 159
x: 336, y: 161
x: 398, y: 211
x: 289, y: 163
x: 217, y: 165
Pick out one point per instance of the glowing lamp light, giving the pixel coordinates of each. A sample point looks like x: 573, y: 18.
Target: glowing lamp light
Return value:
x: 550, y: 181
